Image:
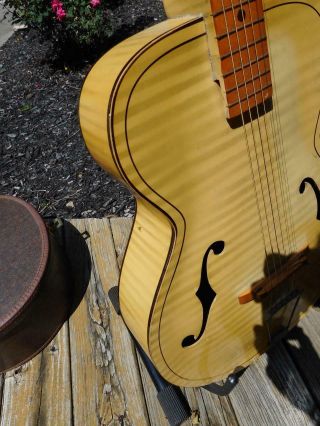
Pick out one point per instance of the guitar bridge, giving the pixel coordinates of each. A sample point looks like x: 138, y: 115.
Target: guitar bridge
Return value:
x: 263, y: 286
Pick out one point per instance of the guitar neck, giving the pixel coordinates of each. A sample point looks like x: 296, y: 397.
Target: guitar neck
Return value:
x: 243, y: 49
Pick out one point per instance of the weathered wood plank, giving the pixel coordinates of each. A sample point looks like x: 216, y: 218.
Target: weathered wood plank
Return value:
x: 271, y: 392
x: 106, y: 383
x: 209, y: 407
x: 41, y: 387
x: 218, y: 409
x: 303, y: 344
x: 155, y: 412
x: 110, y: 380
x: 230, y: 417
x: 22, y: 394
x: 121, y: 230
x: 55, y: 380
x: 91, y: 383
x: 39, y: 391
x: 199, y: 412
x: 1, y: 392
x: 55, y: 403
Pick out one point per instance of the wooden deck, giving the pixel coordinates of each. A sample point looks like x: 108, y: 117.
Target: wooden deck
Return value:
x: 90, y: 373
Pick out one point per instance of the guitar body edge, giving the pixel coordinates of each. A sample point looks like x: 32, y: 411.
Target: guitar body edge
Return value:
x: 153, y: 233
x: 152, y: 116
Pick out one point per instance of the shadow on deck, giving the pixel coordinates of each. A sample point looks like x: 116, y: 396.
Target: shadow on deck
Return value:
x: 90, y: 373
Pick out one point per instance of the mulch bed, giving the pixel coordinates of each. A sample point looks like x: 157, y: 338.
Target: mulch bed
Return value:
x: 43, y: 158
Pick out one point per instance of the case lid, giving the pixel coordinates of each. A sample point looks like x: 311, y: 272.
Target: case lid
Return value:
x: 24, y: 249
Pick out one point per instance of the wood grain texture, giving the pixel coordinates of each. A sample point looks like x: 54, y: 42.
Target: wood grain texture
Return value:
x: 121, y: 230
x: 126, y: 396
x: 174, y: 8
x: 155, y: 413
x: 303, y: 345
x: 21, y: 397
x: 200, y: 181
x: 285, y: 399
x: 40, y: 391
x: 1, y: 391
x: 243, y: 86
x: 56, y: 380
x: 211, y: 409
x: 281, y: 388
x: 219, y: 409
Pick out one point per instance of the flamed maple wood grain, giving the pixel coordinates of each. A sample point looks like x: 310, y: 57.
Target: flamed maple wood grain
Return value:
x: 198, y: 181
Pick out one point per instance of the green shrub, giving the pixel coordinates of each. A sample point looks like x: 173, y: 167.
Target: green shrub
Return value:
x: 68, y: 23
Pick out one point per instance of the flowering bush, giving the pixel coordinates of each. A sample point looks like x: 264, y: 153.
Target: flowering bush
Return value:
x: 69, y: 23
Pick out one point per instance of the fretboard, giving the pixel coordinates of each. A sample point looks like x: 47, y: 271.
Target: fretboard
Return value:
x: 243, y: 49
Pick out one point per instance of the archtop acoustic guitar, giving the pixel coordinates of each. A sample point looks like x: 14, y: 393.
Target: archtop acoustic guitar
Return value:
x: 212, y: 119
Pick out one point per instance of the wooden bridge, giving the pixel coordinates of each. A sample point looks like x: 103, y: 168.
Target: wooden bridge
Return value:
x: 90, y: 373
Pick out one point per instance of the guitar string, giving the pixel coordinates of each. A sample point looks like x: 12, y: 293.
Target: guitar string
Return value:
x: 281, y: 155
x: 280, y: 166
x: 245, y: 134
x: 275, y: 137
x: 248, y: 146
x: 258, y: 120
x: 259, y: 128
x: 276, y: 112
x: 264, y: 119
x: 284, y: 159
x: 270, y: 300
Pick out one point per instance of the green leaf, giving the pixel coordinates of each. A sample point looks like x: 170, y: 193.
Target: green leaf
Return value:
x: 25, y: 107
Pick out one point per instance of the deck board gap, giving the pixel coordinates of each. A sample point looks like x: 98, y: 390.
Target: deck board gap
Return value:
x: 1, y: 393
x: 70, y: 375
x: 41, y: 372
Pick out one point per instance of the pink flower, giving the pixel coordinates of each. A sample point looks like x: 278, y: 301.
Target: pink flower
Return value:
x: 55, y: 5
x: 95, y: 3
x: 61, y: 14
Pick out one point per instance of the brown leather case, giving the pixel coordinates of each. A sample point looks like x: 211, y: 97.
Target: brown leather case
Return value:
x: 34, y: 283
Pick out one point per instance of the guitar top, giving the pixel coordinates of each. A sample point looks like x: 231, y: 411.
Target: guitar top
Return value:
x: 211, y: 118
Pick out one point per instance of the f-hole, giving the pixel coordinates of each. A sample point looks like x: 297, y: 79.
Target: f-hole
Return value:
x: 316, y: 190
x: 205, y: 293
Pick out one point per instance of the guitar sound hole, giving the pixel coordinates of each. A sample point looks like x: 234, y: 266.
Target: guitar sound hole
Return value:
x: 205, y: 293
x: 218, y: 247
x: 314, y: 186
x: 241, y: 15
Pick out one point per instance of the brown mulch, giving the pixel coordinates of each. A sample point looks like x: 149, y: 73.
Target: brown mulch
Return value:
x: 43, y: 158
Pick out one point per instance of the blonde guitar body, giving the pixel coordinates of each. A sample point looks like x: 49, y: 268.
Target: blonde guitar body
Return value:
x: 212, y: 202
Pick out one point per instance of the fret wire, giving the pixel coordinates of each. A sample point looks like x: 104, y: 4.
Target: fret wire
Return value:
x: 245, y: 130
x: 248, y: 64
x: 256, y: 92
x: 237, y: 29
x: 260, y: 134
x: 232, y: 89
x: 229, y: 8
x: 234, y: 52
